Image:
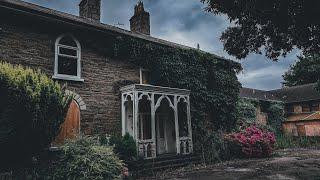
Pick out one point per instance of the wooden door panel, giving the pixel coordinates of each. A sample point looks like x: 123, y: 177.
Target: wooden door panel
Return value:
x: 70, y: 128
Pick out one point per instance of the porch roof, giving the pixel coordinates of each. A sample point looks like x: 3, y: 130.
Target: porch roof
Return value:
x: 155, y: 89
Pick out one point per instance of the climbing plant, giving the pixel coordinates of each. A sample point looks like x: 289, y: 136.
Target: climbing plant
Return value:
x: 213, y: 82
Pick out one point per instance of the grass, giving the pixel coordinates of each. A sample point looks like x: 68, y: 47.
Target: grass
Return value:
x: 284, y: 142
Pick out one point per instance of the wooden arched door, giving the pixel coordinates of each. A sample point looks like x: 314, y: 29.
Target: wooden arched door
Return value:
x: 70, y: 128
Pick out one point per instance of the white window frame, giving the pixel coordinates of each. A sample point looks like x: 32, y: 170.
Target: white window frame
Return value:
x: 77, y: 58
x: 141, y: 73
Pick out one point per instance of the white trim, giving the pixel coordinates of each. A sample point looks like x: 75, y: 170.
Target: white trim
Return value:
x: 67, y: 77
x: 78, y: 58
x: 141, y: 72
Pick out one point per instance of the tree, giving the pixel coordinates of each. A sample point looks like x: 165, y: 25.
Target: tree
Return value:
x: 273, y: 26
x: 305, y: 71
x: 32, y: 108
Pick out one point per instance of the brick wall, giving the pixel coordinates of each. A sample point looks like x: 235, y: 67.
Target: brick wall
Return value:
x: 307, y: 128
x: 32, y: 45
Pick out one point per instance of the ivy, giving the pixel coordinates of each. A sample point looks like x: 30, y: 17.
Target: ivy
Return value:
x: 213, y: 82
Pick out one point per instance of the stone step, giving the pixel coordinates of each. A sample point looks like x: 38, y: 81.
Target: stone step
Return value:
x: 151, y: 166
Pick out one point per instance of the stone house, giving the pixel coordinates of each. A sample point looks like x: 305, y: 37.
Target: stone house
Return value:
x: 73, y: 50
x: 302, y: 108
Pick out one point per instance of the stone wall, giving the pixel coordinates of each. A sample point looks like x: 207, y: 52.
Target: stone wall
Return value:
x: 32, y: 44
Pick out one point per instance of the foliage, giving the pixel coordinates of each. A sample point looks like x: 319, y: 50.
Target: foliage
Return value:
x: 216, y: 148
x: 212, y: 80
x: 246, y: 110
x: 284, y: 142
x: 32, y: 107
x: 252, y: 141
x: 84, y: 158
x: 124, y: 146
x: 304, y: 71
x: 276, y: 116
x: 277, y: 25
x: 247, y: 113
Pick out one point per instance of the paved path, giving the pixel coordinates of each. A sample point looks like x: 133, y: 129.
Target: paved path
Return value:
x: 288, y: 165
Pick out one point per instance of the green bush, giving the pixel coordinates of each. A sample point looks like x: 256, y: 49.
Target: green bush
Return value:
x: 32, y: 107
x: 124, y: 146
x: 81, y: 159
x: 246, y: 110
x: 276, y: 117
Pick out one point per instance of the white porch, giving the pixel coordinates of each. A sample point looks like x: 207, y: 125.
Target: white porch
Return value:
x: 158, y: 118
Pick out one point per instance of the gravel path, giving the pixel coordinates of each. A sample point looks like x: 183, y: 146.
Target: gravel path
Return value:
x: 288, y: 164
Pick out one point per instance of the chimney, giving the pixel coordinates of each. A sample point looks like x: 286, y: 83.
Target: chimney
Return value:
x: 140, y: 21
x: 90, y: 9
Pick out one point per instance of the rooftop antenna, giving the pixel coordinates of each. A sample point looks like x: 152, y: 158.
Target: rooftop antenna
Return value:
x: 118, y: 24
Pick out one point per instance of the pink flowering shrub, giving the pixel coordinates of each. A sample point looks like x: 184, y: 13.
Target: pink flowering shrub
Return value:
x: 252, y: 141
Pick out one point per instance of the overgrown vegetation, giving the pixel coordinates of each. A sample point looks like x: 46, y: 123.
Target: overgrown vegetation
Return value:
x: 246, y: 110
x: 124, y: 146
x: 213, y: 82
x: 275, y: 111
x: 83, y: 158
x: 252, y: 141
x: 271, y: 27
x: 32, y: 107
x: 284, y: 142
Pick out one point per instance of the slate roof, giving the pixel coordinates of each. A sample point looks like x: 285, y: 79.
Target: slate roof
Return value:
x: 257, y: 94
x: 53, y: 15
x: 294, y: 94
x: 304, y: 117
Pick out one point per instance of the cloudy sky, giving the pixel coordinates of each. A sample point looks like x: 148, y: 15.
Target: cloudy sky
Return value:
x: 186, y: 22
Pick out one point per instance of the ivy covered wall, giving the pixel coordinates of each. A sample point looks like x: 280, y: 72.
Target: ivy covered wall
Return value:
x: 213, y: 82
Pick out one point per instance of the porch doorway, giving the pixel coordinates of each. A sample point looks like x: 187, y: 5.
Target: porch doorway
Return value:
x: 165, y: 129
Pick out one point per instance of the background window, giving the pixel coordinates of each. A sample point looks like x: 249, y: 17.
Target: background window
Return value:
x: 67, y: 58
x: 144, y: 76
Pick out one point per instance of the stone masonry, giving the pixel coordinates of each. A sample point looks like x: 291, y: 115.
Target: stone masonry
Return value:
x: 31, y: 43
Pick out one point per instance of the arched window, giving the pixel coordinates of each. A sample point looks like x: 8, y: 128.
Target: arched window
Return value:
x: 67, y: 64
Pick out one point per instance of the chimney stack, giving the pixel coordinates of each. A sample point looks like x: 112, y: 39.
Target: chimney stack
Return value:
x: 140, y: 21
x: 90, y: 9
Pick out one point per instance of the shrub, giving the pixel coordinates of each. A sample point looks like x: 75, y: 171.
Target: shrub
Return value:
x: 32, y: 107
x: 125, y: 147
x: 84, y: 158
x: 276, y: 117
x: 252, y: 141
x: 215, y: 148
x: 246, y: 110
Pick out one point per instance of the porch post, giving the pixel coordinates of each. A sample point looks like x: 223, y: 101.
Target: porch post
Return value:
x: 189, y: 124
x: 135, y: 117
x: 123, y: 114
x: 153, y: 126
x: 176, y: 122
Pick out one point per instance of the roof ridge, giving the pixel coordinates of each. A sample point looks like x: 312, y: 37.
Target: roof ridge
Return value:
x: 78, y: 19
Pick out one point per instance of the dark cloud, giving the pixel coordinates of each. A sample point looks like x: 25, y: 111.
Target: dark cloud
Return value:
x: 185, y: 22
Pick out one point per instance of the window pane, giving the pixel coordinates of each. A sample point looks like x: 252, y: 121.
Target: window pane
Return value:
x: 68, y: 41
x: 67, y: 66
x: 315, y: 107
x: 305, y: 108
x: 66, y: 51
x: 145, y: 77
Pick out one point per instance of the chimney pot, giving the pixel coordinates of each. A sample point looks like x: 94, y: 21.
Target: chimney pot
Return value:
x: 140, y: 21
x: 90, y: 9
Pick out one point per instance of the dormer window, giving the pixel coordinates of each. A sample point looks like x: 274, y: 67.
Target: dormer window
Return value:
x: 67, y: 64
x: 144, y: 76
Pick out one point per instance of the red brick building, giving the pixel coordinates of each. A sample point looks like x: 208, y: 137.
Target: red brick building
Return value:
x: 302, y: 107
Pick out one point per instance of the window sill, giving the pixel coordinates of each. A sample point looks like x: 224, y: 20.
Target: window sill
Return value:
x: 67, y: 78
